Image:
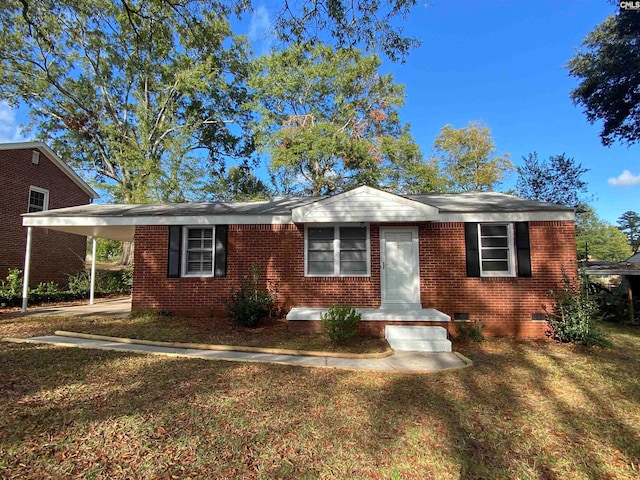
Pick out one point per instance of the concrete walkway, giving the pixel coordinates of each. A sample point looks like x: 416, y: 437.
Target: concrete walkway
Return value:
x: 109, y: 307
x: 412, y: 362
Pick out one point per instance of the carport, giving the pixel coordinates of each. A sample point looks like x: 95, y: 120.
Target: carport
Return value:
x: 92, y: 221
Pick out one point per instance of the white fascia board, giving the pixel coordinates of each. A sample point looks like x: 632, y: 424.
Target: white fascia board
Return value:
x: 49, y: 221
x: 53, y: 156
x: 508, y: 217
x: 329, y: 210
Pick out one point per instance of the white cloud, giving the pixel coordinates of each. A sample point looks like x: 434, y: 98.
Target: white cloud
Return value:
x: 9, y: 128
x: 260, y: 29
x: 625, y: 179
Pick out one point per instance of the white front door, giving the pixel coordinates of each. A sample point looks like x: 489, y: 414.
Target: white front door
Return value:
x: 399, y: 269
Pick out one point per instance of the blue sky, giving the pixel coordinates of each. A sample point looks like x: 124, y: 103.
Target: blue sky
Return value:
x: 500, y: 62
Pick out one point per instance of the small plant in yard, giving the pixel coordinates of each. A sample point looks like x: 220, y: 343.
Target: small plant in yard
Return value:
x: 340, y: 323
x: 470, y: 331
x: 248, y: 305
x: 12, y: 285
x: 573, y: 317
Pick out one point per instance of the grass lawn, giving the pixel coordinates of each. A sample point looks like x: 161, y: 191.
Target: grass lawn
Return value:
x: 526, y: 410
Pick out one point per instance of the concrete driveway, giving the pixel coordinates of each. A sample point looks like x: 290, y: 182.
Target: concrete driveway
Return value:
x: 118, y: 307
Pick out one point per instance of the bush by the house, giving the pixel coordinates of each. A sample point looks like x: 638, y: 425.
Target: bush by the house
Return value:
x: 251, y: 303
x: 574, y: 317
x: 107, y: 283
x: 470, y: 331
x: 340, y: 323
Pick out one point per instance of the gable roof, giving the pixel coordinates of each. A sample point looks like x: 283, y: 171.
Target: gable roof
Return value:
x: 362, y: 204
x: 57, y: 161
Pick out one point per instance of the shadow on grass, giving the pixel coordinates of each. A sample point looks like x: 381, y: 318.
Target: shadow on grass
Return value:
x: 525, y: 410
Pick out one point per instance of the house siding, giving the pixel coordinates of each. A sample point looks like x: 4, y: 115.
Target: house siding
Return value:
x: 54, y: 255
x: 504, y: 304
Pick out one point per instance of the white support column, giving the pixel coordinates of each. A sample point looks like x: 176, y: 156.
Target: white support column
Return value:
x: 25, y: 273
x: 93, y: 270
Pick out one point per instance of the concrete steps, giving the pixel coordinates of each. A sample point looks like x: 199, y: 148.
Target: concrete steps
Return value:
x: 407, y: 338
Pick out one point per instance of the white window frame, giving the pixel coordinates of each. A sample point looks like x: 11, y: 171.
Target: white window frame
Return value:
x: 44, y: 191
x: 184, y: 250
x: 511, y: 254
x: 336, y: 250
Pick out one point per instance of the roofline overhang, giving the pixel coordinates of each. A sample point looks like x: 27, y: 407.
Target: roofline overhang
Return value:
x: 66, y: 169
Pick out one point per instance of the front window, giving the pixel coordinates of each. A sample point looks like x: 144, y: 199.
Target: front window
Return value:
x: 496, y: 249
x: 337, y: 251
x: 38, y: 199
x: 198, y: 251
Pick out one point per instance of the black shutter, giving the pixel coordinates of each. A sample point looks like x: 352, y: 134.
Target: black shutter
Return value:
x: 220, y: 265
x: 473, y: 251
x: 173, y: 263
x: 523, y: 249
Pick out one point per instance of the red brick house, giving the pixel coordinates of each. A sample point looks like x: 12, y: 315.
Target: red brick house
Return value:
x: 33, y: 179
x: 421, y: 260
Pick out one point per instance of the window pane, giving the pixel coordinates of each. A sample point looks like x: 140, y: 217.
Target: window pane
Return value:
x: 495, y: 254
x: 495, y: 242
x: 320, y: 268
x: 353, y: 256
x: 495, y: 266
x: 321, y: 245
x: 321, y: 257
x: 355, y: 233
x: 358, y: 268
x: 353, y: 244
x: 324, y: 233
x: 493, y: 230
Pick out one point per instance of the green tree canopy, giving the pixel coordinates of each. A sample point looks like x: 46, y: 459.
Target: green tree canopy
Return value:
x: 468, y: 158
x: 607, y: 68
x: 328, y: 119
x: 556, y: 180
x: 599, y: 239
x: 239, y: 184
x: 629, y: 224
x: 131, y: 92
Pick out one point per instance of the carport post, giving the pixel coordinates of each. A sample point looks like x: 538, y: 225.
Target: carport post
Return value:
x: 25, y: 274
x: 93, y: 270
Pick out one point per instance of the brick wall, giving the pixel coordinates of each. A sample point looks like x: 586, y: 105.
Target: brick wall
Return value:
x: 54, y: 255
x: 504, y: 304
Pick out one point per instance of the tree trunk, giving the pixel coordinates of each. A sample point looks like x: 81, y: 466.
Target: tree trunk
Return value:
x: 127, y: 254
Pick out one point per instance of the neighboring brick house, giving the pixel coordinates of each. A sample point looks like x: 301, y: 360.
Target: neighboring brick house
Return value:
x: 421, y: 260
x: 32, y: 179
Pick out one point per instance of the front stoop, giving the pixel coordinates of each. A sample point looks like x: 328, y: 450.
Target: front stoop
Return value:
x: 406, y: 338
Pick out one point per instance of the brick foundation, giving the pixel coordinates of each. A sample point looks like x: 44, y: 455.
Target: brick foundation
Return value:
x: 504, y: 304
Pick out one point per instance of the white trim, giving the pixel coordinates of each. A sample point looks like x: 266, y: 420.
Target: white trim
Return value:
x: 416, y: 301
x: 92, y: 285
x: 50, y: 221
x: 184, y: 250
x: 45, y: 203
x: 511, y: 253
x: 336, y: 250
x: 58, y: 162
x: 25, y: 273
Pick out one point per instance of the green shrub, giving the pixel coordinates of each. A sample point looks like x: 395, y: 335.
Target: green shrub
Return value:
x: 248, y: 305
x: 470, y: 331
x: 12, y: 285
x: 107, y: 282
x: 573, y: 317
x: 340, y: 323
